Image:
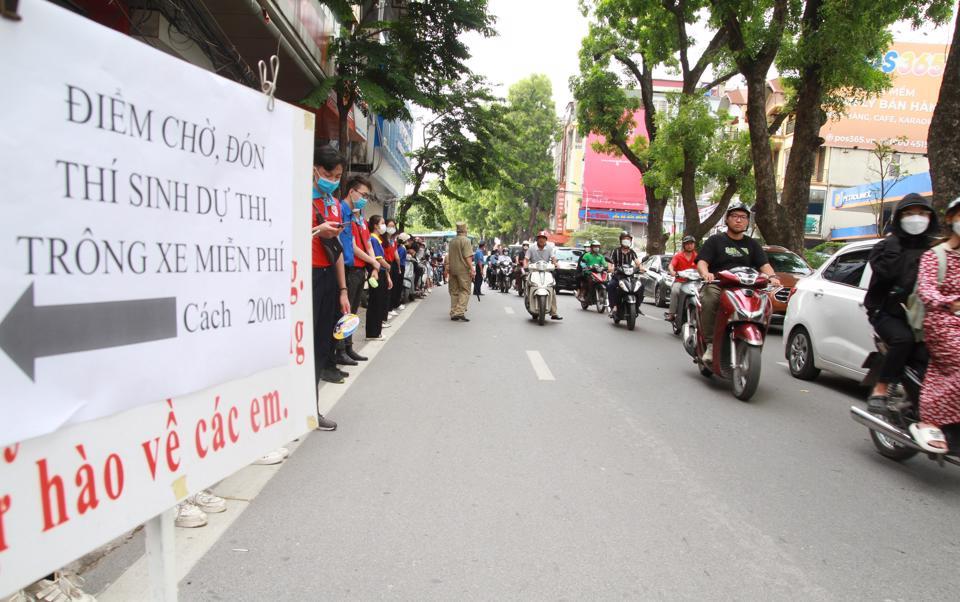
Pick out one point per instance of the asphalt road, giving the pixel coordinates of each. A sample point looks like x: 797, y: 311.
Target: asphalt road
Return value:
x: 458, y: 474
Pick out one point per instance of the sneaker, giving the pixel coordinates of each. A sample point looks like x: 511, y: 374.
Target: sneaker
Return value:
x: 65, y: 587
x: 379, y: 338
x: 393, y: 313
x: 556, y: 317
x: 877, y: 404
x: 708, y: 354
x: 274, y: 457
x: 402, y: 306
x: 325, y: 424
x: 387, y: 324
x: 190, y: 516
x: 285, y: 451
x: 208, y: 502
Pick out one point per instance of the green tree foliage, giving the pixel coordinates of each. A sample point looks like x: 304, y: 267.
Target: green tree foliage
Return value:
x: 627, y: 40
x: 825, y: 51
x: 460, y: 138
x: 382, y: 65
x: 608, y: 237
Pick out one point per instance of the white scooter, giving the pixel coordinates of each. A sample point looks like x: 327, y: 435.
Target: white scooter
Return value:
x: 541, y: 290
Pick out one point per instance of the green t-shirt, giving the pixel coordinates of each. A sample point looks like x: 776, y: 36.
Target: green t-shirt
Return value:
x: 588, y: 260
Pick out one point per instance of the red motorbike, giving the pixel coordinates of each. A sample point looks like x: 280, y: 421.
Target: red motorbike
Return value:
x: 743, y: 316
x: 596, y: 289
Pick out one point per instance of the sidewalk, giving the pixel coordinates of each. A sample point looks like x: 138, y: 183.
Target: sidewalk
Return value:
x: 118, y: 571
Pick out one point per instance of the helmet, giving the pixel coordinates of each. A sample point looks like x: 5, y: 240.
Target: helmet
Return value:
x: 953, y: 205
x: 625, y: 234
x: 594, y: 243
x: 737, y: 207
x: 687, y: 239
x: 543, y: 233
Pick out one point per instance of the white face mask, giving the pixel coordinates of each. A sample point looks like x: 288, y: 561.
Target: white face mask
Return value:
x: 626, y: 242
x: 391, y: 230
x: 914, y: 224
x: 381, y: 228
x: 956, y: 227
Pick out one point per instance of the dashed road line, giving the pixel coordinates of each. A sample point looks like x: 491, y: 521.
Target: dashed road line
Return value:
x: 509, y: 310
x: 539, y: 365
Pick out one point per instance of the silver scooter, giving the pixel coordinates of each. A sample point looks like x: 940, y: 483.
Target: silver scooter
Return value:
x: 541, y: 290
x: 688, y: 290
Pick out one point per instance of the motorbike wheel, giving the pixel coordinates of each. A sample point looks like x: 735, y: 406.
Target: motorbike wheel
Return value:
x: 541, y: 309
x: 888, y: 448
x: 706, y: 372
x: 800, y: 355
x: 746, y: 370
x: 677, y: 322
x: 631, y: 317
x: 601, y: 300
x: 584, y: 304
x: 657, y: 296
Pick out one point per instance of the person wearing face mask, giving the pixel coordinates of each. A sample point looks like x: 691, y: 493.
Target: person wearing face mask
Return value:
x: 621, y: 256
x: 329, y: 279
x: 378, y: 296
x: 358, y: 256
x: 396, y: 270
x: 939, y: 290
x: 894, y: 261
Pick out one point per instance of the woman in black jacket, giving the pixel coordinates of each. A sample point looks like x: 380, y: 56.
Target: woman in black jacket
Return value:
x: 894, y: 261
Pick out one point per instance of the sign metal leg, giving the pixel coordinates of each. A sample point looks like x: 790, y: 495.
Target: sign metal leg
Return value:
x: 160, y: 556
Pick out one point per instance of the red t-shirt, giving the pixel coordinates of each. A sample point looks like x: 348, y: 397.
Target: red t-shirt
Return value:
x: 361, y: 236
x: 680, y: 262
x: 389, y: 250
x: 330, y: 213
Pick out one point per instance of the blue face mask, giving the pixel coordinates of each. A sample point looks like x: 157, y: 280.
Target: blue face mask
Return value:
x: 360, y: 203
x: 327, y: 186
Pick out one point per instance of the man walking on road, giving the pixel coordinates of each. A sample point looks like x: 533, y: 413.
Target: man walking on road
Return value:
x: 459, y: 271
x: 479, y: 259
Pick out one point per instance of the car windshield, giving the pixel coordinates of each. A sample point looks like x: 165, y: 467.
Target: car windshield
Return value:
x: 789, y: 263
x: 565, y: 255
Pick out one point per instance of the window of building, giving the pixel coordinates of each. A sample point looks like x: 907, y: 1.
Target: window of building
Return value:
x: 789, y: 126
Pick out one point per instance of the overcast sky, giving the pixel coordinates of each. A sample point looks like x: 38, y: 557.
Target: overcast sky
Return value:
x: 535, y: 36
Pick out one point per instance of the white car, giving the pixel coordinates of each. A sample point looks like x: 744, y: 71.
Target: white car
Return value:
x: 826, y: 326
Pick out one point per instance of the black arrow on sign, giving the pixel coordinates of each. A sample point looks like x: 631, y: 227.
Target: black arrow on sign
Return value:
x: 30, y: 331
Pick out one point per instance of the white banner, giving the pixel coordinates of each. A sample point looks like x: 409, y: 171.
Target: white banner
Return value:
x: 146, y: 232
x: 66, y: 493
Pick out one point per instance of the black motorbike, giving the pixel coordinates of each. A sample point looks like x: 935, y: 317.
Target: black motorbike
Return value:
x: 891, y: 433
x: 631, y: 296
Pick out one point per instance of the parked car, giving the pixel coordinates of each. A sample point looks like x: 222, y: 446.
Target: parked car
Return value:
x: 826, y: 327
x: 566, y: 272
x: 790, y: 267
x: 657, y: 279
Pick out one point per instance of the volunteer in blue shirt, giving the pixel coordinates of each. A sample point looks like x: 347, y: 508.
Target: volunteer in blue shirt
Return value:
x: 357, y: 254
x: 478, y: 261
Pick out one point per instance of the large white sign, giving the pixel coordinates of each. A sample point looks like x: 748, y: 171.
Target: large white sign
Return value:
x: 146, y: 225
x: 65, y: 493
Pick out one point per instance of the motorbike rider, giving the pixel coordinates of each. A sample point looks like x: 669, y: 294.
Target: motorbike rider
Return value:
x: 493, y: 260
x: 894, y: 261
x: 686, y: 259
x: 619, y: 257
x: 542, y: 252
x: 589, y: 259
x: 722, y: 251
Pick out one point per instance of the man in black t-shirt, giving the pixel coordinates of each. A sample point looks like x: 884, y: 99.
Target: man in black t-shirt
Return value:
x: 721, y: 252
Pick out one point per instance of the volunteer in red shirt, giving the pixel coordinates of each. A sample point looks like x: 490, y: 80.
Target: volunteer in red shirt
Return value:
x: 329, y: 280
x: 684, y: 260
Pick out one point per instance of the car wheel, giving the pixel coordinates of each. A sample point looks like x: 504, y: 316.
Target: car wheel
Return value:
x: 800, y: 355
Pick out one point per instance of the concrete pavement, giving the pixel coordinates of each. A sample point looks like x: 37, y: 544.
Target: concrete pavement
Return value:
x: 459, y: 472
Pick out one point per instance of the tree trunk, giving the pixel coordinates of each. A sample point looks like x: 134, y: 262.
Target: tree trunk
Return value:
x: 656, y: 241
x: 702, y: 228
x: 792, y: 212
x: 767, y: 209
x: 943, y: 139
x: 343, y: 142
x: 534, y: 210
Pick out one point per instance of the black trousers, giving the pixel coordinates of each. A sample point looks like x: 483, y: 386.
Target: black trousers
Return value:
x: 377, y: 306
x: 325, y: 292
x: 478, y: 281
x: 898, y: 336
x: 397, y: 289
x: 355, y: 278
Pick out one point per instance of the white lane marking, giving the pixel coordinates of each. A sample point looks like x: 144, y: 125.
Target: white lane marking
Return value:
x: 539, y: 366
x: 508, y: 309
x: 784, y: 364
x: 652, y: 318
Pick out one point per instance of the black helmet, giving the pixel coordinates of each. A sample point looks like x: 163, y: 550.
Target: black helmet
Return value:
x: 687, y: 239
x: 737, y: 207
